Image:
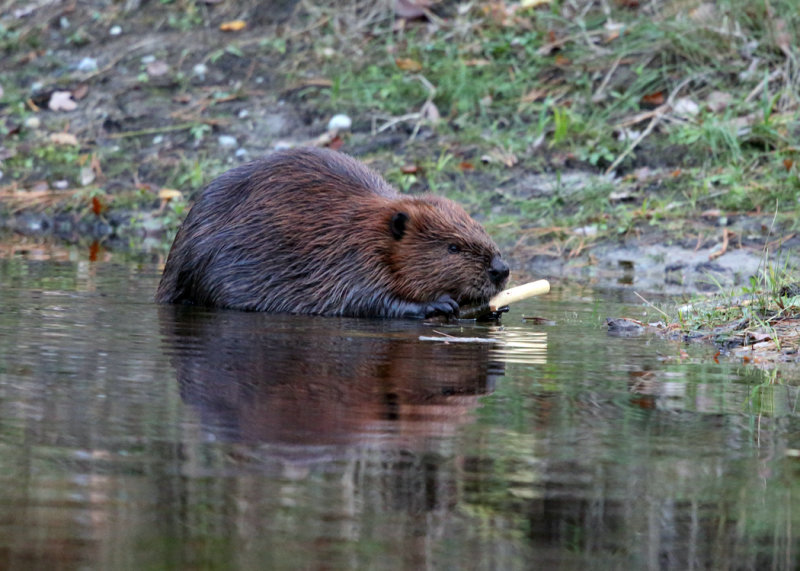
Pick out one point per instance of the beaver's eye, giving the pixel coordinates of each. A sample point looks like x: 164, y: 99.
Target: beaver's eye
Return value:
x: 454, y: 248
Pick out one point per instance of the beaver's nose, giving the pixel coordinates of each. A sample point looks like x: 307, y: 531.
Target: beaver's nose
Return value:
x: 498, y: 271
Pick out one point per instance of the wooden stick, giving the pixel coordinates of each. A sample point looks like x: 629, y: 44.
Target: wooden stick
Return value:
x: 506, y: 297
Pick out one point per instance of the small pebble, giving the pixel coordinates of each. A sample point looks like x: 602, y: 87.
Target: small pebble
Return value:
x: 87, y: 64
x: 32, y: 123
x: 158, y: 139
x: 243, y: 113
x: 227, y: 141
x: 87, y: 176
x: 241, y: 153
x: 61, y: 184
x: 115, y: 31
x: 200, y: 70
x: 340, y: 122
x: 36, y: 86
x: 63, y: 22
x: 148, y: 59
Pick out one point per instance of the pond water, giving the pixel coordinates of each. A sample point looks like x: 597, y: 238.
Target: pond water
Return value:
x: 134, y: 436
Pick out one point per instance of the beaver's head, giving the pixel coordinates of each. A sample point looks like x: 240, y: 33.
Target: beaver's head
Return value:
x: 437, y: 249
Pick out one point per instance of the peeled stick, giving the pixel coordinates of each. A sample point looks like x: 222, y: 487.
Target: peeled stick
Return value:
x: 506, y: 297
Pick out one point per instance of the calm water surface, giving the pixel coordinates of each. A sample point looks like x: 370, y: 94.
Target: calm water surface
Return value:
x: 134, y: 436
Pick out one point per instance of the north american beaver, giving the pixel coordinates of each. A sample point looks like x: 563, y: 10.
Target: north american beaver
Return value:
x: 314, y: 231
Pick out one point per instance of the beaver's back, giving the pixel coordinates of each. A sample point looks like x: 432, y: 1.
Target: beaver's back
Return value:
x: 315, y: 231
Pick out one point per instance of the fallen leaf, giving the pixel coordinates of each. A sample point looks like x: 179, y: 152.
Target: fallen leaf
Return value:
x: 534, y: 94
x: 80, y: 92
x: 788, y: 164
x: 562, y: 60
x: 409, y: 169
x: 466, y: 166
x: 656, y: 98
x: 63, y: 139
x: 94, y: 251
x: 408, y: 64
x: 97, y: 206
x: 168, y: 194
x: 62, y: 101
x: 233, y: 26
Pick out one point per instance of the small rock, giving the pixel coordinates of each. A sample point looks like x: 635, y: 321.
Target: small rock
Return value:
x: 61, y: 184
x: 63, y: 22
x: 227, y: 141
x: 36, y: 86
x: 157, y: 68
x: 87, y: 64
x: 32, y: 123
x: 148, y: 59
x: 243, y: 114
x: 115, y: 31
x: 686, y: 107
x: 717, y: 101
x: 200, y: 70
x: 241, y: 153
x: 340, y: 122
x: 586, y: 230
x: 158, y: 139
x: 87, y: 176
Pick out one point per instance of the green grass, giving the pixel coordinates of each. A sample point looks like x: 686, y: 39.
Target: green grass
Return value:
x: 495, y: 87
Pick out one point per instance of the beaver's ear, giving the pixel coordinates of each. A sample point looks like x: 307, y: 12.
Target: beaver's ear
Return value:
x: 398, y: 224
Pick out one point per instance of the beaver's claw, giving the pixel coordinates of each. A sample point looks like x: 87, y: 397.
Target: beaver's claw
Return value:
x: 444, y: 305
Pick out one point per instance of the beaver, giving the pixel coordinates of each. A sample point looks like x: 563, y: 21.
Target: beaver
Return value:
x: 314, y: 231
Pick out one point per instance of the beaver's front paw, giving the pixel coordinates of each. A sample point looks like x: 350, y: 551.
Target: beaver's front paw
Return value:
x: 444, y: 305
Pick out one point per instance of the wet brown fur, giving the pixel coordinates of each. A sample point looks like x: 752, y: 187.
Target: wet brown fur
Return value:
x: 315, y: 231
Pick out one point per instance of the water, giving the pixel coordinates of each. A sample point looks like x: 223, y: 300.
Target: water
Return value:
x: 134, y: 436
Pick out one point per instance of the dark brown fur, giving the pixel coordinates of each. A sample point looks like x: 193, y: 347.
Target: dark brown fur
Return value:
x: 315, y: 231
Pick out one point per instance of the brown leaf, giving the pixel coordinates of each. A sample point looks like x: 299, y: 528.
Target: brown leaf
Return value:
x: 534, y: 94
x: 233, y: 26
x: 97, y: 206
x: 168, y: 194
x: 562, y: 61
x: 466, y: 166
x: 409, y: 169
x: 80, y: 92
x: 94, y: 250
x: 655, y: 99
x: 788, y: 164
x: 408, y: 64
